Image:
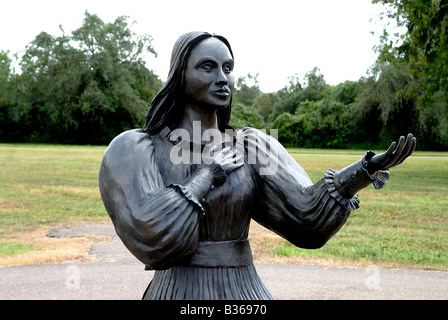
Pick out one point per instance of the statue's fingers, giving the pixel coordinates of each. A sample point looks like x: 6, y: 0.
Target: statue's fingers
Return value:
x: 391, y: 148
x: 214, y: 148
x: 412, y: 144
x: 213, y: 151
x: 394, y: 158
x: 401, y: 143
x: 407, y: 146
x: 208, y: 151
x: 389, y: 154
x: 224, y: 152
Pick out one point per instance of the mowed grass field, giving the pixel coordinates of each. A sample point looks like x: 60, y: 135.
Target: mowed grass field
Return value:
x: 405, y: 223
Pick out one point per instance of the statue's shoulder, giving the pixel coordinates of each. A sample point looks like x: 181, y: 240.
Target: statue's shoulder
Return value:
x: 249, y: 132
x: 256, y: 135
x: 129, y: 145
x: 131, y: 138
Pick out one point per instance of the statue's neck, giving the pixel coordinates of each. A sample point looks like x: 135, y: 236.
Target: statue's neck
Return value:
x: 197, y: 120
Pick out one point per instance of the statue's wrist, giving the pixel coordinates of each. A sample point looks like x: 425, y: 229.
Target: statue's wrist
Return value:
x: 367, y: 164
x: 201, y: 181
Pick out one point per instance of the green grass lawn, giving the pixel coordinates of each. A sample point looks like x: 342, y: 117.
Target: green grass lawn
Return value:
x: 405, y: 222
x: 40, y: 185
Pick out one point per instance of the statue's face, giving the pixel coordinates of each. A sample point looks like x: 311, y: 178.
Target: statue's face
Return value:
x: 209, y: 77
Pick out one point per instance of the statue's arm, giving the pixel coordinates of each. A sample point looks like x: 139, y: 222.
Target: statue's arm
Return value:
x: 157, y: 223
x: 308, y: 214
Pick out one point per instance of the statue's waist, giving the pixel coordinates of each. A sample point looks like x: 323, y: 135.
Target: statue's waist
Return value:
x: 233, y: 253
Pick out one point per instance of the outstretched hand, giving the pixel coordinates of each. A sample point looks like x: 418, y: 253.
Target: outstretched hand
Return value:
x: 394, y: 156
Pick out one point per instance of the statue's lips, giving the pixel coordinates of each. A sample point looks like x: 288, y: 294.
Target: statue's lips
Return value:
x: 222, y: 92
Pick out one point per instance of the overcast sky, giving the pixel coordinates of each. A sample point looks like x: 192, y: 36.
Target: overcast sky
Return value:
x: 275, y: 38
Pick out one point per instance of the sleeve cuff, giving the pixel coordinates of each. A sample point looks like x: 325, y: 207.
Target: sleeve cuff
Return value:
x: 349, y: 204
x: 187, y: 194
x: 380, y: 177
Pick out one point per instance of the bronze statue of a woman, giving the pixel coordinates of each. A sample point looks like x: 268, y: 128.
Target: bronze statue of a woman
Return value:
x: 181, y: 191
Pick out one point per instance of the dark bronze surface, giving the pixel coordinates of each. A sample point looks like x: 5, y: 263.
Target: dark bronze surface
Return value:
x: 181, y: 191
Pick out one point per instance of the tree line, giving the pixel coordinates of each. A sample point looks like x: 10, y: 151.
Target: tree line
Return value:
x: 89, y: 86
x: 82, y: 88
x: 406, y: 91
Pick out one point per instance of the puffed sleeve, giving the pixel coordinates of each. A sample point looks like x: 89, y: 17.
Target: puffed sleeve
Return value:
x: 305, y: 214
x: 157, y: 223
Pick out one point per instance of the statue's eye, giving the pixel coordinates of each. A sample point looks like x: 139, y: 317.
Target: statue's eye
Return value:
x: 227, y: 68
x: 207, y: 66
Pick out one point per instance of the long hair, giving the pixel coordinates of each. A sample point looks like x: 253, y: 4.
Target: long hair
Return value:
x: 166, y: 107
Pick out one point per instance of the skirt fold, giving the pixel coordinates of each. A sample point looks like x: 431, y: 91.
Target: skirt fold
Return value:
x: 203, y: 283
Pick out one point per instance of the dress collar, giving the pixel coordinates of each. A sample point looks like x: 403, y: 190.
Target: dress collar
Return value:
x: 176, y: 139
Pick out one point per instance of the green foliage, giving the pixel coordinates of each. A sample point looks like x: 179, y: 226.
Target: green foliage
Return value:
x: 288, y: 129
x: 314, y: 84
x: 244, y: 116
x: 291, y: 96
x: 264, y: 103
x: 5, y: 65
x: 81, y: 88
x: 316, y: 124
x: 422, y: 52
x: 245, y: 93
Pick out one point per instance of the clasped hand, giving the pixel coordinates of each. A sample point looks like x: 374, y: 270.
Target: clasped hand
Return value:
x: 227, y: 157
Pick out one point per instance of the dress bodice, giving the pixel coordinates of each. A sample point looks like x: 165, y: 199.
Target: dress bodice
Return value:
x: 227, y: 207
